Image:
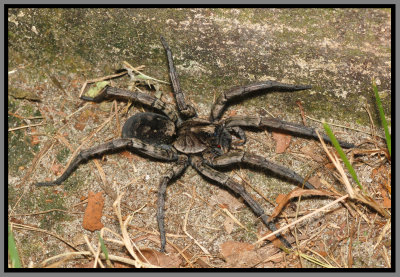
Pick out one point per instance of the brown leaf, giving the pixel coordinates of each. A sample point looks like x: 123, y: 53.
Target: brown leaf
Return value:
x: 296, y: 193
x: 282, y: 141
x: 93, y: 212
x: 315, y: 181
x: 160, y: 259
x: 239, y: 254
x: 232, y: 247
x: 245, y: 255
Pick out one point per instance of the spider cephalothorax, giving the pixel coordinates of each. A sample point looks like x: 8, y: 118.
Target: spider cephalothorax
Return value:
x: 186, y: 140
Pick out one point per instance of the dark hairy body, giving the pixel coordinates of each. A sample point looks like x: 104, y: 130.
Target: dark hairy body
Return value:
x: 180, y: 137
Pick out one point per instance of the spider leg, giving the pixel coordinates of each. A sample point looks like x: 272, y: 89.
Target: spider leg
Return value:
x: 158, y: 152
x: 231, y: 184
x: 135, y: 96
x: 172, y: 173
x: 225, y: 97
x: 274, y: 123
x: 235, y: 157
x: 185, y: 109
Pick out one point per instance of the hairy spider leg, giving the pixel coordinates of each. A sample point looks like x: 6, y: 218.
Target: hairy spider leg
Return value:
x: 158, y: 152
x: 172, y: 173
x: 274, y: 123
x: 135, y: 96
x: 239, y: 157
x: 223, y: 100
x: 231, y: 184
x: 184, y: 108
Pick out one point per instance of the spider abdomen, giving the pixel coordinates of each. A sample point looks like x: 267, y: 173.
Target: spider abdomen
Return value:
x: 149, y: 127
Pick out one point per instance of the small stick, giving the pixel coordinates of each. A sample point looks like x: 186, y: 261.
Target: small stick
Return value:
x: 26, y: 126
x: 100, y: 79
x: 302, y: 218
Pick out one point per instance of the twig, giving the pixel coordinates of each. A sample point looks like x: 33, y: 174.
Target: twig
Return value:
x: 78, y: 110
x: 128, y: 66
x: 100, y: 79
x: 302, y: 218
x: 26, y: 126
x: 24, y: 117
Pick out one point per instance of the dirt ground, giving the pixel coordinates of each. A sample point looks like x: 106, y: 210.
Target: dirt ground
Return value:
x: 52, y: 52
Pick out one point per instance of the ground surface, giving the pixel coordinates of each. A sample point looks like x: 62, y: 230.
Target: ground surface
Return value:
x: 52, y: 52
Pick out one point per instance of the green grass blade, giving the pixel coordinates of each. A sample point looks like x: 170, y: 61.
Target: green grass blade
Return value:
x: 12, y: 250
x: 383, y: 119
x: 103, y: 247
x: 342, y: 154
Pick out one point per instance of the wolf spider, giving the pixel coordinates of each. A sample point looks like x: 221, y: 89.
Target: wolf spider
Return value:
x: 184, y: 139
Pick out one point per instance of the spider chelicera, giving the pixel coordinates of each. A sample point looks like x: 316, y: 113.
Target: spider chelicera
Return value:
x: 186, y: 140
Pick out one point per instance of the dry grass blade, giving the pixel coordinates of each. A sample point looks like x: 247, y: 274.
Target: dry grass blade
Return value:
x: 302, y: 218
x: 325, y: 264
x: 136, y: 70
x: 225, y: 210
x: 127, y: 241
x: 96, y: 255
x: 100, y: 79
x: 385, y: 229
x: 339, y: 168
x: 345, y: 127
x: 355, y: 195
x: 26, y: 126
x: 30, y: 228
x: 186, y: 232
x: 68, y: 255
